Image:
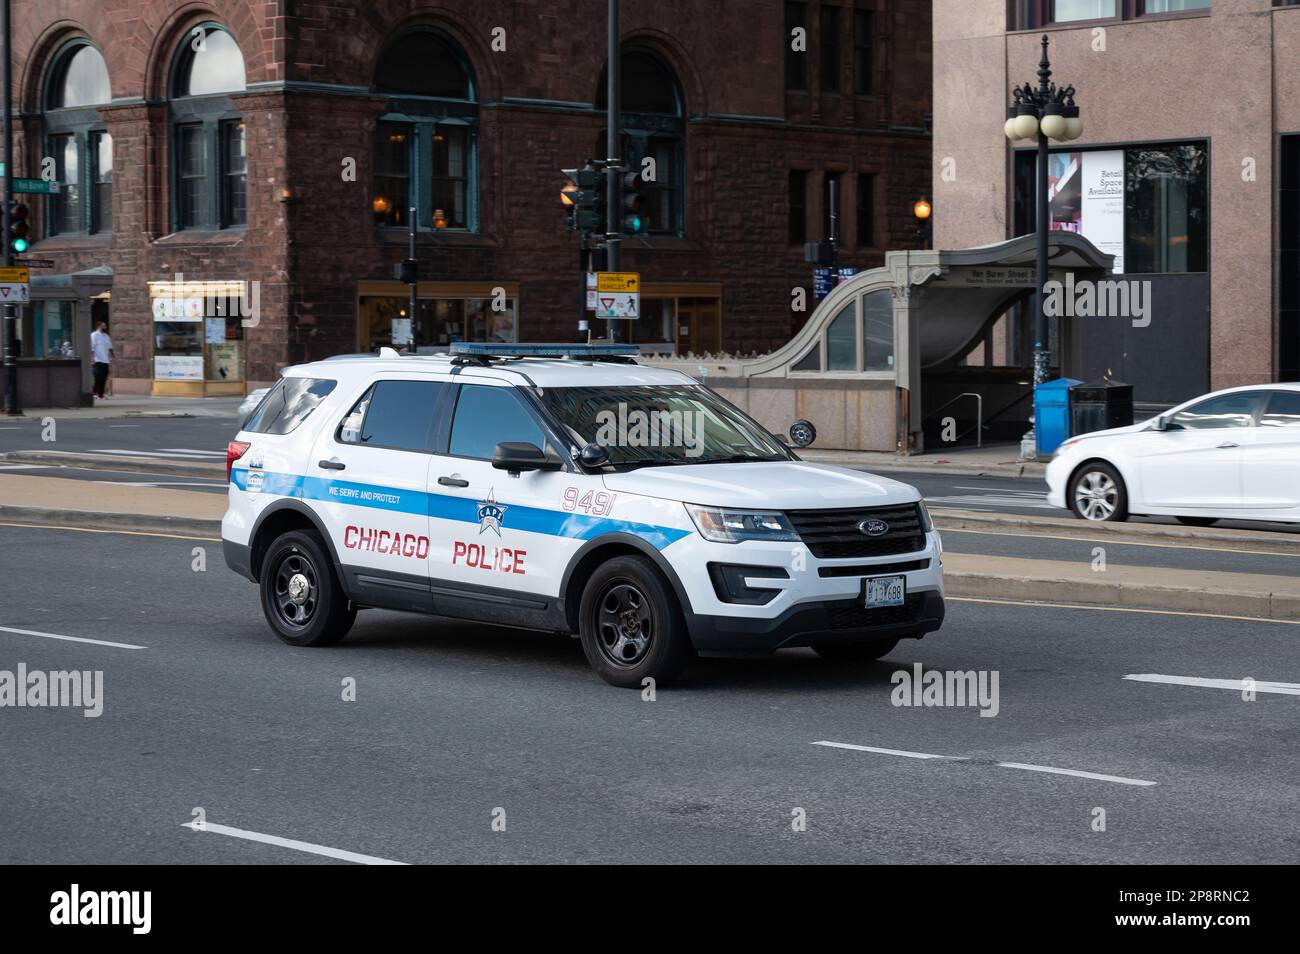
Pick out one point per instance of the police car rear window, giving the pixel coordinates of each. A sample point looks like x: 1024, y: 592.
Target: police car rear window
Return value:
x: 288, y: 404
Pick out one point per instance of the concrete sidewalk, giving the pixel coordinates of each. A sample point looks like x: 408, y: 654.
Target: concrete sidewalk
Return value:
x: 999, y: 459
x: 140, y: 405
x: 62, y: 502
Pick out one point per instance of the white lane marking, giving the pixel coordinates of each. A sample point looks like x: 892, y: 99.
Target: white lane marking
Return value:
x: 1236, y: 685
x: 967, y: 501
x: 1012, y: 765
x: 23, y: 466
x: 71, y: 639
x: 1117, y: 609
x: 125, y: 425
x: 119, y: 452
x: 290, y: 843
x: 204, y: 451
x: 1040, y: 494
x: 1120, y: 779
x: 1114, y: 542
x: 903, y: 753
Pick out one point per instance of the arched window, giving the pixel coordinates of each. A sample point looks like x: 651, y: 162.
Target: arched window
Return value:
x: 427, y: 139
x: 77, y: 140
x: 654, y: 128
x: 859, y: 338
x: 209, y: 177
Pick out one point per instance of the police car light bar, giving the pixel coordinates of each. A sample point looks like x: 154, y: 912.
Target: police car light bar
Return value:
x: 480, y: 349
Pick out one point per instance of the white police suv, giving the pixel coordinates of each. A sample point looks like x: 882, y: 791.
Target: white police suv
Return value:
x: 565, y: 488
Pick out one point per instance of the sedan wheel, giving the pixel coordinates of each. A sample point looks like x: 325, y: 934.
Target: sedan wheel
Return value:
x: 1097, y: 493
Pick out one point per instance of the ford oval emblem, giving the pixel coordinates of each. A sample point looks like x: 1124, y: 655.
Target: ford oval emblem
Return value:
x: 873, y: 528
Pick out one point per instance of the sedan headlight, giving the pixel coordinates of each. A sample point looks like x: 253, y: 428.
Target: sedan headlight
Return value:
x: 720, y: 525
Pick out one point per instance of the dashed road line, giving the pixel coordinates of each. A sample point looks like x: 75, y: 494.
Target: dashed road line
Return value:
x: 70, y: 639
x: 1236, y: 685
x: 1118, y: 609
x: 290, y: 843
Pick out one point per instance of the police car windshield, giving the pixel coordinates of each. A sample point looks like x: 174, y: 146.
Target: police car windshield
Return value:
x: 660, y: 425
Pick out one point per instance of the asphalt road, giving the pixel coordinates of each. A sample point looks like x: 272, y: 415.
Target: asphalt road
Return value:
x: 455, y: 721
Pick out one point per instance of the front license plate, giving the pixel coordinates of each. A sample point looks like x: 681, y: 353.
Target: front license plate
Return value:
x: 886, y: 591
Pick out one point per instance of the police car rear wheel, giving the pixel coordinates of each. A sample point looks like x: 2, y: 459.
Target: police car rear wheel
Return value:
x: 855, y: 652
x: 301, y: 596
x: 631, y: 627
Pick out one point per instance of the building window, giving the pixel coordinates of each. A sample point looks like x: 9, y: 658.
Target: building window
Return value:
x: 1165, y: 209
x: 208, y: 148
x: 796, y: 61
x: 1288, y: 292
x: 393, y: 156
x: 878, y: 331
x: 234, y: 191
x: 75, y: 138
x: 829, y: 49
x: 443, y: 320
x: 863, y: 32
x: 866, y: 210
x: 101, y: 182
x: 1146, y: 205
x: 798, y: 199
x: 192, y: 176
x: 1146, y: 7
x: 1069, y: 11
x: 841, y: 340
x: 426, y: 142
x: 654, y: 128
x: 1032, y: 14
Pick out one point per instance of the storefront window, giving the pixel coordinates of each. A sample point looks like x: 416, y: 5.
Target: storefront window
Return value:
x: 199, y: 334
x: 46, y: 330
x: 1165, y: 209
x: 385, y: 321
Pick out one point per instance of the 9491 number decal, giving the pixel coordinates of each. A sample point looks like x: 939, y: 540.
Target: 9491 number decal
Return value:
x: 598, y: 503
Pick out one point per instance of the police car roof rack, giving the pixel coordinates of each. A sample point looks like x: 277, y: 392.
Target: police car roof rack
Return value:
x: 484, y: 353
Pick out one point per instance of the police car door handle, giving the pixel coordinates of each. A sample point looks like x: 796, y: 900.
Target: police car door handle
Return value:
x: 1228, y: 445
x: 453, y: 481
x: 333, y: 464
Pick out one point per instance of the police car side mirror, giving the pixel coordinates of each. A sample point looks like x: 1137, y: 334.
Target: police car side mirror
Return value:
x: 593, y: 455
x: 1161, y: 423
x: 519, y: 456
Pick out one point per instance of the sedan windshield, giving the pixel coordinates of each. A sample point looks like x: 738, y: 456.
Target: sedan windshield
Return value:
x: 659, y: 425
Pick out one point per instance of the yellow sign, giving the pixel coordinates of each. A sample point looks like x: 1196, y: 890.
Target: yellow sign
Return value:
x: 14, y: 274
x: 618, y: 282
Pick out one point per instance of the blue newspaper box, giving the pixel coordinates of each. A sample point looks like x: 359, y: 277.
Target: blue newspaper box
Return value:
x: 1052, y: 413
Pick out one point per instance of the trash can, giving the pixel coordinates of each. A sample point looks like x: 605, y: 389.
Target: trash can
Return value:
x: 1100, y: 405
x: 1052, y: 413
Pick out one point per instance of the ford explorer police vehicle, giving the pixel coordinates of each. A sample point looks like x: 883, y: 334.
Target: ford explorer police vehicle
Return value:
x: 565, y: 488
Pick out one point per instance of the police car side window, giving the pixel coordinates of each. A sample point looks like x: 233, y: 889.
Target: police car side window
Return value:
x: 288, y: 404
x: 393, y: 414
x: 486, y: 416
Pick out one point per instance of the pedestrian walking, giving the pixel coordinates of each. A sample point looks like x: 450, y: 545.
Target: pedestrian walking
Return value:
x: 101, y: 351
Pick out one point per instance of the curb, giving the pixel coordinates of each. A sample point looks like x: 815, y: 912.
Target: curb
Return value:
x: 1260, y: 541
x: 123, y: 464
x: 1267, y: 606
x: 98, y: 520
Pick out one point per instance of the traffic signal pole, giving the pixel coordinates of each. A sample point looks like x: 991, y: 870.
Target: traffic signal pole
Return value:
x: 613, y: 164
x: 10, y: 309
x: 414, y: 287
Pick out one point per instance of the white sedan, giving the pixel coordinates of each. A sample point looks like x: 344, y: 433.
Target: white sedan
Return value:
x: 1230, y: 455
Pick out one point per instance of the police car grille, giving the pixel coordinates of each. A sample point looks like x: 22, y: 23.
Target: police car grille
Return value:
x: 851, y: 614
x: 831, y: 534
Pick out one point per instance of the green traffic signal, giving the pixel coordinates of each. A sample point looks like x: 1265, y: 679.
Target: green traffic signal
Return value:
x: 20, y: 245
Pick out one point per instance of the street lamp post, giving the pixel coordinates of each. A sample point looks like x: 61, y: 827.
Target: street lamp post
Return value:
x: 1043, y: 113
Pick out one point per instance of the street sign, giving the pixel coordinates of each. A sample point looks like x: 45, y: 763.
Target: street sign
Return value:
x: 823, y: 282
x: 37, y: 262
x: 618, y: 305
x: 39, y: 186
x: 618, y: 282
x: 14, y: 274
x: 618, y: 295
x: 13, y: 283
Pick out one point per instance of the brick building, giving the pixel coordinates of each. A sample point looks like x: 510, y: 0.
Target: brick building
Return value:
x: 235, y: 174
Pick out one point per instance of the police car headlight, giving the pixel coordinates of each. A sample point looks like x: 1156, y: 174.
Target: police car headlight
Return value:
x: 719, y: 525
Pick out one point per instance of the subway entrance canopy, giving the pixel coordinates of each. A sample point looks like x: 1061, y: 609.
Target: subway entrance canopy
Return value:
x: 894, y: 354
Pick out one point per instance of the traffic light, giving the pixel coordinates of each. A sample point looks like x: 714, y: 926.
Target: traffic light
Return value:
x: 18, y: 227
x: 635, y: 221
x: 584, y: 196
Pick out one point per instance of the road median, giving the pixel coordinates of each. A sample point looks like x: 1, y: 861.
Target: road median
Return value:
x: 120, y: 463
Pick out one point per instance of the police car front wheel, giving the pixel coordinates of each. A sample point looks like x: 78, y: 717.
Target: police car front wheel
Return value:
x: 301, y: 596
x: 631, y: 626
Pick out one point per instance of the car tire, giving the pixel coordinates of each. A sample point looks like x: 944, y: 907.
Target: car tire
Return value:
x: 1197, y: 521
x: 865, y: 651
x: 631, y: 626
x: 1097, y: 493
x: 301, y: 595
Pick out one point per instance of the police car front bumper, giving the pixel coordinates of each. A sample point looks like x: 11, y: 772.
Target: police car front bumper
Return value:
x: 829, y: 621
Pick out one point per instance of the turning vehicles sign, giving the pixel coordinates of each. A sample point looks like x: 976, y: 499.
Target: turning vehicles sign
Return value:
x: 618, y: 295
